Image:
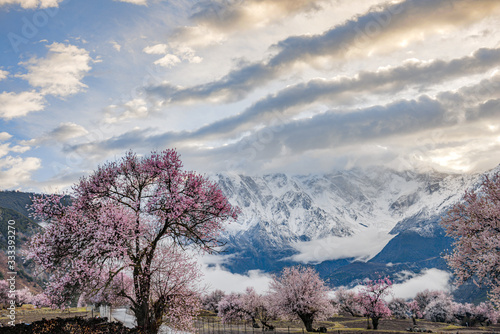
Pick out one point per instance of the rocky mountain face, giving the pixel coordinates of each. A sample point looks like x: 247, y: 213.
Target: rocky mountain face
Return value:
x: 281, y: 211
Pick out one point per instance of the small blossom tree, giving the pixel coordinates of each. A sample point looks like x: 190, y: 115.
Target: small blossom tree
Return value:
x: 248, y: 306
x: 211, y: 301
x: 423, y: 298
x: 439, y: 310
x: 371, y: 298
x: 414, y: 311
x: 346, y: 301
x: 399, y: 308
x: 129, y: 217
x: 19, y: 297
x: 299, y: 292
x: 474, y: 223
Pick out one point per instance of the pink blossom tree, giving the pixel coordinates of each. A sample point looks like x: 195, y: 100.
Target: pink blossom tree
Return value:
x: 486, y: 312
x: 129, y: 217
x: 247, y: 306
x: 346, y: 301
x: 211, y: 301
x: 299, y: 292
x: 469, y: 314
x: 19, y: 297
x: 424, y: 298
x: 399, y: 308
x: 439, y: 310
x: 371, y: 298
x: 474, y: 223
x: 41, y: 300
x: 414, y: 311
x: 4, y: 293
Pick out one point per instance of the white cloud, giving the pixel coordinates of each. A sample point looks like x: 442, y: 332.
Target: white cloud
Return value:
x: 3, y: 74
x: 168, y: 60
x: 5, y: 148
x: 431, y: 279
x: 17, y: 105
x: 15, y: 171
x: 157, y: 49
x: 61, y: 133
x: 32, y: 3
x: 136, y: 108
x: 362, y: 246
x: 5, y: 136
x: 217, y: 277
x: 135, y: 2
x: 116, y: 46
x: 60, y: 72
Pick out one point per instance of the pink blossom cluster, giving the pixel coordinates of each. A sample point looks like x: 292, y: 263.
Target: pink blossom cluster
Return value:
x: 474, y: 223
x: 299, y: 292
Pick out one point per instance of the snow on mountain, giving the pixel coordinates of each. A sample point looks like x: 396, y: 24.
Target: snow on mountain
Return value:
x: 297, y: 212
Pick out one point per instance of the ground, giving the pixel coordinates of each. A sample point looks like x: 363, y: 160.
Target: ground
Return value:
x: 210, y: 324
x: 28, y: 314
x: 340, y: 325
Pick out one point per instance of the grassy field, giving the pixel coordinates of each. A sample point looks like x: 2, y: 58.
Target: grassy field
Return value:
x: 339, y: 325
x: 28, y: 314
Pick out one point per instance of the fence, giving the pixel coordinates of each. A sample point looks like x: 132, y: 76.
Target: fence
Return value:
x: 212, y: 325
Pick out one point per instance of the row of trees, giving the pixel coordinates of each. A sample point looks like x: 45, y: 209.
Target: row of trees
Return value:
x: 124, y: 233
x: 299, y: 294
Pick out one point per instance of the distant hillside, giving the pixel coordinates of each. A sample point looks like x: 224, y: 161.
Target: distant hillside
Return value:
x: 13, y: 207
x: 17, y: 201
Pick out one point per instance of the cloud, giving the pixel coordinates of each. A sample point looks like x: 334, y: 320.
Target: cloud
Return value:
x: 388, y: 80
x: 29, y: 4
x: 156, y: 49
x: 136, y: 108
x: 362, y: 246
x: 60, y: 72
x: 430, y: 279
x: 378, y: 29
x: 15, y: 171
x: 60, y: 134
x: 217, y: 277
x: 3, y: 74
x: 216, y: 20
x: 168, y: 61
x: 177, y: 54
x: 16, y: 105
x: 5, y: 148
x: 411, y: 132
x: 135, y: 2
x: 116, y: 46
x: 237, y: 14
x: 5, y: 136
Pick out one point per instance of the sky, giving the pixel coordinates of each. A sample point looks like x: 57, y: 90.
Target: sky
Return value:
x: 251, y: 86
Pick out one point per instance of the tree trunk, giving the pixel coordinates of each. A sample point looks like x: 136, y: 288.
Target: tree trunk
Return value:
x: 414, y: 321
x: 307, y: 319
x: 146, y: 322
x: 375, y: 322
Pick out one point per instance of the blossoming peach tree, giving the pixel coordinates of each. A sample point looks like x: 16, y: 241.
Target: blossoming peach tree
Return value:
x: 371, y: 298
x: 299, y: 292
x: 134, y: 217
x: 474, y: 223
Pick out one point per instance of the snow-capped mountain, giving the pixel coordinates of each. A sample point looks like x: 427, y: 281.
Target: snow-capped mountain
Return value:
x: 282, y: 215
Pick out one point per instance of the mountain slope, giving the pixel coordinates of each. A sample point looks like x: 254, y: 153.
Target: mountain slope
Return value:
x: 284, y: 216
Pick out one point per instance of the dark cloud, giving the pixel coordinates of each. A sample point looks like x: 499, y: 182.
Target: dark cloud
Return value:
x: 381, y: 26
x: 386, y: 81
